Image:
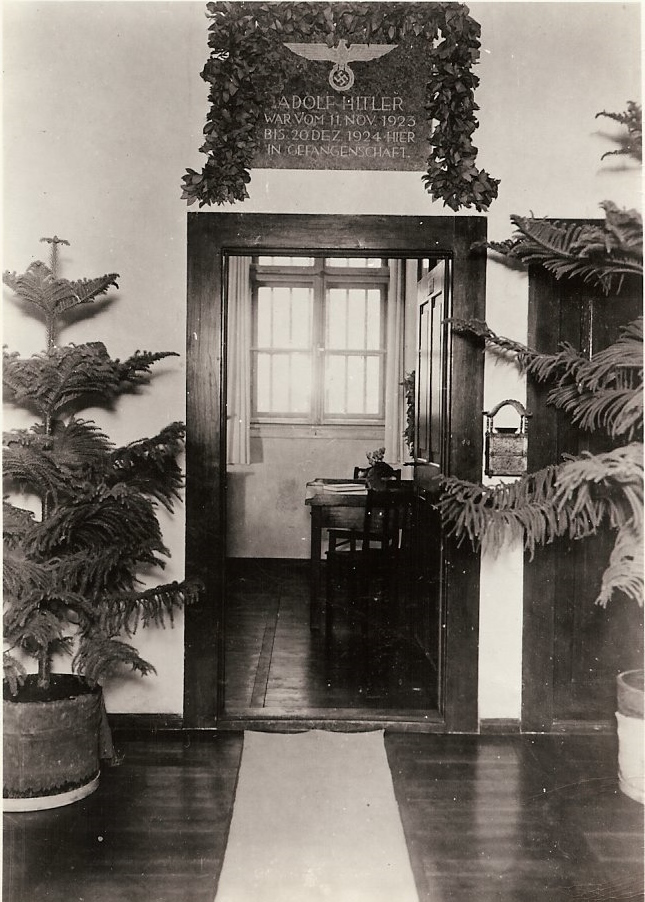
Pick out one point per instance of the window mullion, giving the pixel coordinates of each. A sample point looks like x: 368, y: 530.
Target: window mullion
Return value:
x: 318, y: 347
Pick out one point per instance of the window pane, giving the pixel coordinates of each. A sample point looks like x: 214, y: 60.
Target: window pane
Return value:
x: 336, y: 337
x: 286, y: 261
x: 301, y: 309
x: 300, y: 383
x: 279, y: 383
x: 355, y: 262
x: 335, y: 384
x: 373, y: 330
x: 264, y: 318
x: 353, y: 385
x: 263, y: 381
x: 356, y: 385
x: 356, y: 318
x: 281, y: 317
x: 284, y: 317
x: 372, y: 385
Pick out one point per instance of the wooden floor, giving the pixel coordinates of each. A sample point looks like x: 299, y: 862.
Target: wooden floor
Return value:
x: 275, y: 663
x: 511, y: 819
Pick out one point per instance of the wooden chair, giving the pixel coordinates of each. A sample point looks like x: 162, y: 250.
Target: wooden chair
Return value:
x: 337, y: 537
x: 363, y: 473
x: 370, y: 572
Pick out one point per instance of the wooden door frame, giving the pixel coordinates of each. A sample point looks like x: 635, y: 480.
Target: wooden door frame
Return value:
x: 213, y: 236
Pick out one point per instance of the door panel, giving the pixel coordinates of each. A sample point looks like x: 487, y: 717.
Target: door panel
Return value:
x: 431, y: 443
x: 572, y: 648
x: 432, y: 401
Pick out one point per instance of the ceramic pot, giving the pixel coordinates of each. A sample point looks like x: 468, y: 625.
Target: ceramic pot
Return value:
x: 631, y: 739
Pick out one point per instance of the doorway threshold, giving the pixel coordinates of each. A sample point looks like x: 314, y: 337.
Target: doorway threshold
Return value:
x: 337, y: 719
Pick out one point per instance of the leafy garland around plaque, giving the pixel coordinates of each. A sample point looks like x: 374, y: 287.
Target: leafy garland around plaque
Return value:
x: 247, y: 69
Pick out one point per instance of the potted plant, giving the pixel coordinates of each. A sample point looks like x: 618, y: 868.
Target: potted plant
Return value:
x: 74, y: 555
x: 409, y: 391
x: 379, y: 471
x: 580, y: 496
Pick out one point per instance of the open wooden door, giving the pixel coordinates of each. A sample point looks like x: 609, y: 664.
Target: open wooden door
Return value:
x: 432, y: 414
x: 433, y: 382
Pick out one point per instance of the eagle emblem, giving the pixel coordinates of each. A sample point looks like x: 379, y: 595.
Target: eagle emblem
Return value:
x: 341, y: 77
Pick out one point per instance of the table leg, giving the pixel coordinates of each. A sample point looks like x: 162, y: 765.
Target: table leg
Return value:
x: 315, y: 573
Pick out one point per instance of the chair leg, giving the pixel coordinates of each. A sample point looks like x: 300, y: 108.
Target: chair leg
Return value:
x: 329, y: 614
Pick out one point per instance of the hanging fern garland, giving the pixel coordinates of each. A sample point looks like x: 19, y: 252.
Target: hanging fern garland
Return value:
x: 602, y: 392
x: 248, y: 69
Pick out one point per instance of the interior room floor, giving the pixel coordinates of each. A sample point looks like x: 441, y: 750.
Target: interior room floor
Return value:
x: 274, y: 662
x: 510, y: 819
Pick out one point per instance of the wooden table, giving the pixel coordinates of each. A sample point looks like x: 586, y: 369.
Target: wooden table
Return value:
x: 329, y: 510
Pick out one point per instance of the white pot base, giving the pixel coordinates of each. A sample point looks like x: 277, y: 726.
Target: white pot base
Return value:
x: 41, y: 803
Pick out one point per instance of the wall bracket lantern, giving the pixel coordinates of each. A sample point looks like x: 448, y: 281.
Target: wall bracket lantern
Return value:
x: 506, y: 446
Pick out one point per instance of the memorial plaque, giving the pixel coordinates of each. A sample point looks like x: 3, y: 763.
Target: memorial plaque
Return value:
x: 350, y: 107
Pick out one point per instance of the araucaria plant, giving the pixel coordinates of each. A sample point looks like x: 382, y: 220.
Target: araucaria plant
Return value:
x: 73, y: 560
x: 575, y: 497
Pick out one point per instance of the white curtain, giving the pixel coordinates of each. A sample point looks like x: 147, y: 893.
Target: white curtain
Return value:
x: 394, y: 365
x: 238, y: 395
x: 401, y: 306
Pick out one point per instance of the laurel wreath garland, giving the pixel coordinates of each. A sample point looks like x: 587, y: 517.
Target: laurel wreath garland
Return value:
x: 247, y: 70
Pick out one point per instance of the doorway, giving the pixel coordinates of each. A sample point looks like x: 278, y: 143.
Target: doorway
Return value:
x: 213, y: 240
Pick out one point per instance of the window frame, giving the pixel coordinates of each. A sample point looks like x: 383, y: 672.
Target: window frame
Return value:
x: 321, y: 276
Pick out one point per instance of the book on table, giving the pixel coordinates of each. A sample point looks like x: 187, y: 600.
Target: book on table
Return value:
x: 345, y: 488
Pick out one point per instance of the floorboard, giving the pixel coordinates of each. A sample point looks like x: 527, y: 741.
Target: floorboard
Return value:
x: 274, y: 662
x: 510, y: 819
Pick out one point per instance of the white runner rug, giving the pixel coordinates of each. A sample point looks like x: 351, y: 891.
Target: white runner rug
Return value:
x: 315, y: 818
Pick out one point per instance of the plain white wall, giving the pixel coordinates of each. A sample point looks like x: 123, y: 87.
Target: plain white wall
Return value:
x: 103, y: 112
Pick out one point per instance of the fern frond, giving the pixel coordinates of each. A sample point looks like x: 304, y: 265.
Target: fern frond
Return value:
x: 50, y: 382
x: 150, y: 464
x: 16, y: 522
x: 613, y: 479
x: 601, y: 255
x: 98, y: 657
x: 128, y: 611
x: 88, y: 290
x: 591, y: 390
x: 632, y: 119
x: 32, y: 628
x: 571, y: 499
x: 78, y: 445
x: 624, y: 572
x: 37, y: 286
x: 93, y: 576
x: 22, y: 578
x: 618, y: 412
x: 102, y: 517
x: 27, y: 466
x: 14, y: 672
x: 491, y: 516
x: 136, y: 369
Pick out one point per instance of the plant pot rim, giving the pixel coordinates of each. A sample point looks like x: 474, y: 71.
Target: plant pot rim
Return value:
x: 63, y: 686
x: 633, y: 678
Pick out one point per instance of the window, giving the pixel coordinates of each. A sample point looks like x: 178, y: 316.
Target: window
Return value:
x: 319, y: 339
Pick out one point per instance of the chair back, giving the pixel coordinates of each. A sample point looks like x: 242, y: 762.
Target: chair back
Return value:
x: 386, y: 512
x: 364, y: 472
